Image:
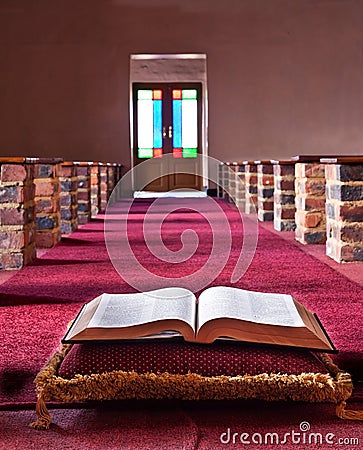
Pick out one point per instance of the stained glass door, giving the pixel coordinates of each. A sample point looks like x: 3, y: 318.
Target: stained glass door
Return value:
x: 167, y: 121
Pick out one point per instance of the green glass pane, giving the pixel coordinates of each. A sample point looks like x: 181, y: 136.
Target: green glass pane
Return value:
x: 189, y: 152
x: 144, y: 94
x: 189, y: 94
x: 145, y: 153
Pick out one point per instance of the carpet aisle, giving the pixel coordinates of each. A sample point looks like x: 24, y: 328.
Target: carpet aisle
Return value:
x: 39, y: 301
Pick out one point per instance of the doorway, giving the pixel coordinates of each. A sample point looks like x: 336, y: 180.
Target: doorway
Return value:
x: 167, y: 130
x: 168, y: 122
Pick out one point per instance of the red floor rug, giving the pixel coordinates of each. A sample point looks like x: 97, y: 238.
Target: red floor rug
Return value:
x: 184, y: 426
x: 38, y: 302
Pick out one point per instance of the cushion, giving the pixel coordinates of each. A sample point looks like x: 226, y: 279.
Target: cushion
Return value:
x: 180, y: 370
x: 222, y: 358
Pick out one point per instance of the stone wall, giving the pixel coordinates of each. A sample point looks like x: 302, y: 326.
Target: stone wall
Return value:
x: 232, y: 182
x: 47, y: 203
x: 310, y: 203
x: 95, y: 188
x: 17, y: 226
x: 240, y: 186
x: 284, y: 196
x: 103, y: 187
x: 251, y: 187
x: 43, y: 198
x: 84, y: 192
x: 68, y: 197
x: 265, y: 191
x: 344, y: 211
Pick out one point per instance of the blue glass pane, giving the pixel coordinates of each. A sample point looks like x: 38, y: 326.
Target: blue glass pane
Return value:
x: 177, y: 123
x: 158, y: 139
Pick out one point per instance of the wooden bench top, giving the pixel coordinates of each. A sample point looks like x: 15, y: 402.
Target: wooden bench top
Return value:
x: 283, y: 161
x: 263, y: 161
x: 343, y: 160
x: 327, y: 158
x: 29, y: 160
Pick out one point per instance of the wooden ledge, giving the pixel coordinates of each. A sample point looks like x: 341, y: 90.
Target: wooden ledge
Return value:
x: 283, y: 162
x: 319, y: 158
x: 263, y: 161
x: 29, y: 160
x: 306, y: 158
x: 236, y: 163
x: 14, y: 160
x: 343, y: 160
x: 83, y: 163
x: 47, y: 160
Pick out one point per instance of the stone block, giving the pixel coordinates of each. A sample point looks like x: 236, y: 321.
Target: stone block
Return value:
x: 311, y: 187
x: 350, y: 212
x: 46, y: 188
x: 284, y: 225
x: 344, y: 192
x: 349, y: 172
x: 14, y: 172
x: 284, y: 185
x: 44, y: 170
x: 47, y: 222
x: 309, y: 170
x: 314, y: 237
x: 47, y: 239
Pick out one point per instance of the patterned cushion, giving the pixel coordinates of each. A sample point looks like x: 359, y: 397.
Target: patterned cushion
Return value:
x: 223, y: 358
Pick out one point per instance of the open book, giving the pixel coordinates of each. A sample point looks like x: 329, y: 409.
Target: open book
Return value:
x: 220, y: 312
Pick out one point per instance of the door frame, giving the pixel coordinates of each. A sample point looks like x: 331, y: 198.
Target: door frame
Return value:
x: 171, y: 68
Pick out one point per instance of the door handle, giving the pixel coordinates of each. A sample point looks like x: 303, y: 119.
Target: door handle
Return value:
x: 170, y: 131
x: 164, y: 132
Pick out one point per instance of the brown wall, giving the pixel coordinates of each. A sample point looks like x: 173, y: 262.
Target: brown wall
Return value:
x: 284, y: 76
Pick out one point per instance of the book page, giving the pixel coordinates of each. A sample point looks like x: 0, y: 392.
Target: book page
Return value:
x: 125, y: 310
x: 258, y: 307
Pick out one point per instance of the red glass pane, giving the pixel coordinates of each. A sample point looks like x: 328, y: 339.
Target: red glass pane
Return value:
x: 157, y: 94
x: 158, y: 152
x: 177, y: 152
x: 177, y: 94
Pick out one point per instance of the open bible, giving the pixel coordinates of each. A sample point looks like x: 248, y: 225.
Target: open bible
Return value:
x: 219, y: 313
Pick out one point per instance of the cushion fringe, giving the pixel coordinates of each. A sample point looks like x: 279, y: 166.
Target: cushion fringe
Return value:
x: 335, y: 387
x: 350, y: 414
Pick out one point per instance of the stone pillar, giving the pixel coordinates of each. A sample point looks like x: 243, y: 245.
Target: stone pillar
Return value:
x: 240, y: 186
x: 220, y: 180
x: 232, y: 184
x: 251, y: 187
x: 111, y: 179
x: 344, y: 208
x: 95, y: 188
x: 103, y: 187
x: 47, y: 202
x: 84, y: 192
x: 225, y: 179
x: 68, y: 197
x: 118, y: 178
x: 310, y: 202
x: 17, y: 226
x: 284, y: 195
x: 265, y: 191
x: 119, y: 171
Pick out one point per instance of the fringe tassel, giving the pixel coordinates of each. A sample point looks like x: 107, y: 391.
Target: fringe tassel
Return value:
x: 350, y: 414
x: 44, y: 419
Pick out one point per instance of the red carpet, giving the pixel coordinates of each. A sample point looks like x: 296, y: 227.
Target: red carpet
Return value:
x: 40, y: 299
x: 183, y: 426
